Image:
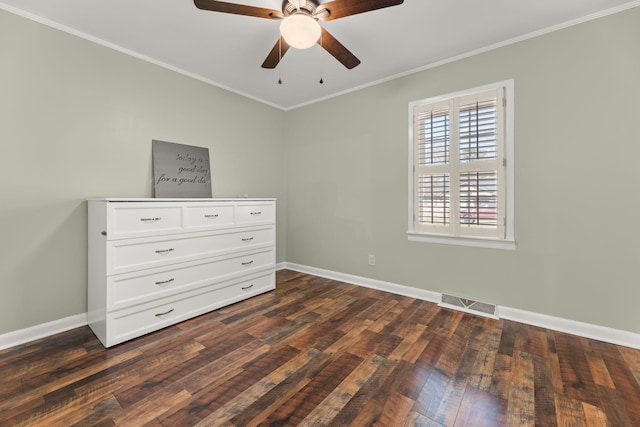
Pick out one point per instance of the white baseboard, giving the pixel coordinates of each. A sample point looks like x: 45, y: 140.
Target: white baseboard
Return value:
x: 380, y: 285
x: 587, y: 330
x: 22, y: 336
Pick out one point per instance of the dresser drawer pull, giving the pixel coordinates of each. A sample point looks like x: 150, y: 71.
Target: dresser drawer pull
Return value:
x: 150, y: 220
x: 248, y: 262
x: 165, y: 282
x: 165, y: 313
x: 247, y: 239
x: 211, y: 216
x: 164, y: 251
x: 247, y: 287
x: 256, y: 213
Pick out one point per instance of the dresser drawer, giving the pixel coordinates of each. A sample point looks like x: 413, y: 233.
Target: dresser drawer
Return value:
x: 127, y: 324
x: 256, y: 213
x: 141, y: 287
x: 130, y: 220
x: 208, y: 216
x: 129, y: 255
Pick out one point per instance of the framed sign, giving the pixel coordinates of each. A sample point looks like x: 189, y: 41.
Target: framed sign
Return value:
x: 181, y: 170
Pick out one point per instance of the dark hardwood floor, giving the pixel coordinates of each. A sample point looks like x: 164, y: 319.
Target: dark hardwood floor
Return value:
x: 317, y: 352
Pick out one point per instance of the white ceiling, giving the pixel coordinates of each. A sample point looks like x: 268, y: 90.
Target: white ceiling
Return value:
x: 227, y: 50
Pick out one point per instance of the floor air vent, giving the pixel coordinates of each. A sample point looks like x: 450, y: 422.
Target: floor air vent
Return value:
x: 469, y: 306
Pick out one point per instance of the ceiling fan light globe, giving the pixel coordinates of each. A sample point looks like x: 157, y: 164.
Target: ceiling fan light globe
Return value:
x: 300, y: 31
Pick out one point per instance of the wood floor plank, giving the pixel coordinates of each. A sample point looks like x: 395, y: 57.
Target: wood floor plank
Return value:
x: 372, y: 410
x: 101, y: 415
x: 223, y: 368
x: 409, y: 336
x: 570, y: 411
x: 238, y: 405
x: 35, y: 400
x: 285, y: 389
x: 428, y: 401
x: 391, y: 314
x: 544, y: 402
x: 521, y: 408
x: 396, y: 407
x: 627, y: 388
x: 348, y: 339
x: 632, y: 358
x: 11, y: 388
x: 358, y: 411
x: 613, y: 409
x: 80, y: 366
x: 364, y: 343
x: 322, y: 352
x: 452, y: 399
x: 480, y: 408
x: 328, y: 409
x: 416, y: 419
x: 147, y: 410
x: 574, y: 369
x: 599, y: 371
x: 507, y: 338
x: 482, y: 373
x: 414, y: 379
x: 315, y: 392
x: 160, y: 372
x: 501, y: 376
x: 594, y: 416
x: 554, y: 364
x: 450, y: 359
x: 209, y: 400
x: 34, y: 365
x: 61, y: 413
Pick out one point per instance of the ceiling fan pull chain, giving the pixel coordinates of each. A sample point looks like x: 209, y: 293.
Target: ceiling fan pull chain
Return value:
x: 321, y: 61
x: 279, y: 59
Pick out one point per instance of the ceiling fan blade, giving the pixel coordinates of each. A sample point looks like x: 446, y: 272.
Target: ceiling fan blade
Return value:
x: 337, y: 50
x: 342, y: 8
x: 237, y: 9
x: 276, y: 54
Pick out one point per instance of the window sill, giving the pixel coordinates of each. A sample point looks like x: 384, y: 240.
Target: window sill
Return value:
x: 475, y: 242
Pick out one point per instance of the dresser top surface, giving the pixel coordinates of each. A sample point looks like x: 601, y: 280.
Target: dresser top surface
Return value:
x: 149, y: 199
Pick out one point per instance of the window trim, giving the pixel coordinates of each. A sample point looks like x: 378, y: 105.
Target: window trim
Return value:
x: 508, y: 242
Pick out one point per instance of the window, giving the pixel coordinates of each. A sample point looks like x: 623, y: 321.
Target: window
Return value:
x: 461, y: 168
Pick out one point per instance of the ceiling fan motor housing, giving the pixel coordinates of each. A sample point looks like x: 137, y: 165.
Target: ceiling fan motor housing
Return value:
x: 305, y: 7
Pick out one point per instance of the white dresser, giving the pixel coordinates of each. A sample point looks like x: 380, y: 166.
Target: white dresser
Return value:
x: 157, y: 262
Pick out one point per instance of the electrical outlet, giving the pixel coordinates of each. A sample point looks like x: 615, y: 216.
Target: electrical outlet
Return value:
x: 372, y: 260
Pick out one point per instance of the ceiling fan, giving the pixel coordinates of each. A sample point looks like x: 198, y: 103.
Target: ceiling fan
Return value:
x: 299, y: 27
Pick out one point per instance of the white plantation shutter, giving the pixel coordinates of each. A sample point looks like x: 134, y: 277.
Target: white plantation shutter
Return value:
x: 480, y: 199
x: 433, y: 148
x: 434, y: 134
x: 433, y: 196
x: 459, y: 165
x: 478, y: 123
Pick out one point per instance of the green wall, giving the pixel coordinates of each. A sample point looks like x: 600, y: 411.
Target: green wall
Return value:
x: 577, y: 145
x: 76, y: 122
